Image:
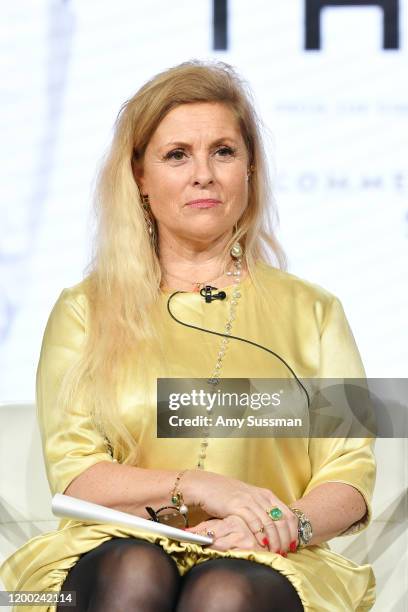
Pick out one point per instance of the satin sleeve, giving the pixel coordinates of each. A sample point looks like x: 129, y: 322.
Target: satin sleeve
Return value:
x: 70, y: 441
x: 347, y: 460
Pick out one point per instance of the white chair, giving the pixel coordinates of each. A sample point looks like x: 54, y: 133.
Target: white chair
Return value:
x: 25, y: 498
x: 385, y: 543
x: 25, y: 505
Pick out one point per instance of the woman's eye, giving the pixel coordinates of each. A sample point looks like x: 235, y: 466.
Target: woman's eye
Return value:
x: 225, y: 151
x: 177, y: 154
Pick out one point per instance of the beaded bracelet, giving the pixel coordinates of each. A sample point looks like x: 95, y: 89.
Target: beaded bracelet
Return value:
x: 177, y: 496
x: 179, y: 506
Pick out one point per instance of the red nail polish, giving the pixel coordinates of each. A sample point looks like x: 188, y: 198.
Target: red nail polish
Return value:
x: 265, y: 542
x: 293, y: 546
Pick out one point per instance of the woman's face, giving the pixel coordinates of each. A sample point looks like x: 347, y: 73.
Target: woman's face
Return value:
x: 196, y: 153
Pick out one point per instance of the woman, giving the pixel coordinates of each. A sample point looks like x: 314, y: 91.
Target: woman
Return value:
x: 183, y: 204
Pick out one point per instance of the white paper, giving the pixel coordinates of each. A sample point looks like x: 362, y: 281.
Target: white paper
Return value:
x: 71, y: 507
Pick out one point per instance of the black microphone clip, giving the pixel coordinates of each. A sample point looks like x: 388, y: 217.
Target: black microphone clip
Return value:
x: 206, y: 292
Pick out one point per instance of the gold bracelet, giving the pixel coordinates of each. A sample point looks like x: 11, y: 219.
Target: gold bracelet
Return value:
x: 177, y: 496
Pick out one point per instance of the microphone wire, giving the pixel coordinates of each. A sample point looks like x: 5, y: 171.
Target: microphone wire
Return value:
x: 209, y: 331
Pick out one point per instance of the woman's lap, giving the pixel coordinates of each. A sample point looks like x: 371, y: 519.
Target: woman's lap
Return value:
x: 119, y: 570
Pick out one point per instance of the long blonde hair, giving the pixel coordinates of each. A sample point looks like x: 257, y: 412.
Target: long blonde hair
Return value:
x: 124, y: 275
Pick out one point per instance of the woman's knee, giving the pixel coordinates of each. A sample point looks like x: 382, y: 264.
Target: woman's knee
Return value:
x: 236, y: 585
x: 132, y: 556
x: 216, y: 586
x: 123, y: 571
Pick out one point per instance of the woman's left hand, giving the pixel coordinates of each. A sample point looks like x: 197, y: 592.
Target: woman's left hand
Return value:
x: 229, y: 533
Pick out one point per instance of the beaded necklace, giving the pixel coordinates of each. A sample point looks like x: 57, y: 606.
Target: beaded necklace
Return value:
x: 214, y: 380
x: 236, y: 253
x: 177, y: 496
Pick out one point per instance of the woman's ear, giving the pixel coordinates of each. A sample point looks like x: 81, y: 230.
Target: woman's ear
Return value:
x: 137, y: 170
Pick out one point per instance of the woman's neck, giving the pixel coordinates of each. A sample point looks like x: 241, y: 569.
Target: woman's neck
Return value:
x: 183, y: 265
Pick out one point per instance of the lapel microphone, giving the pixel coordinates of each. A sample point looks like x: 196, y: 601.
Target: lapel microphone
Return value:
x: 207, y: 293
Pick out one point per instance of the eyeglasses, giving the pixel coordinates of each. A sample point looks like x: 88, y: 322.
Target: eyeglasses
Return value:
x: 165, y: 516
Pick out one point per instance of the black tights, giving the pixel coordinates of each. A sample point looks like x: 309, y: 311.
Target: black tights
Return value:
x: 125, y: 574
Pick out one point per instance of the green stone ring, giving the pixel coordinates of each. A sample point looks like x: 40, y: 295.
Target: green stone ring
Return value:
x: 275, y: 513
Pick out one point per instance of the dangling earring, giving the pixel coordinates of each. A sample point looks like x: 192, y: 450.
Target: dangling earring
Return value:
x: 250, y: 171
x: 150, y: 228
x: 146, y: 206
x: 236, y: 249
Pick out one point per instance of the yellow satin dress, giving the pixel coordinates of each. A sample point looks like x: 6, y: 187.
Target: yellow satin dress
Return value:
x: 300, y: 321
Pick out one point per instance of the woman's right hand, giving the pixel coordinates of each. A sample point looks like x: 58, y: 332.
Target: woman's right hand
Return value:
x: 221, y: 496
x: 229, y: 533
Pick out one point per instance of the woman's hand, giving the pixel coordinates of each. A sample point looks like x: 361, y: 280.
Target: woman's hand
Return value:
x: 221, y: 497
x: 229, y: 533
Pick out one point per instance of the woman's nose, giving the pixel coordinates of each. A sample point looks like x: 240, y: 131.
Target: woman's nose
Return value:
x: 203, y: 173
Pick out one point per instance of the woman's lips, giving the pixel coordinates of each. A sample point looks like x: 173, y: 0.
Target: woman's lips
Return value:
x: 203, y: 203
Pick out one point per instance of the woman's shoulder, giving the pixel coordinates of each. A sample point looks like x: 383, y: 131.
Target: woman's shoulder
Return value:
x: 294, y: 299
x: 80, y: 290
x: 76, y: 297
x: 284, y: 283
